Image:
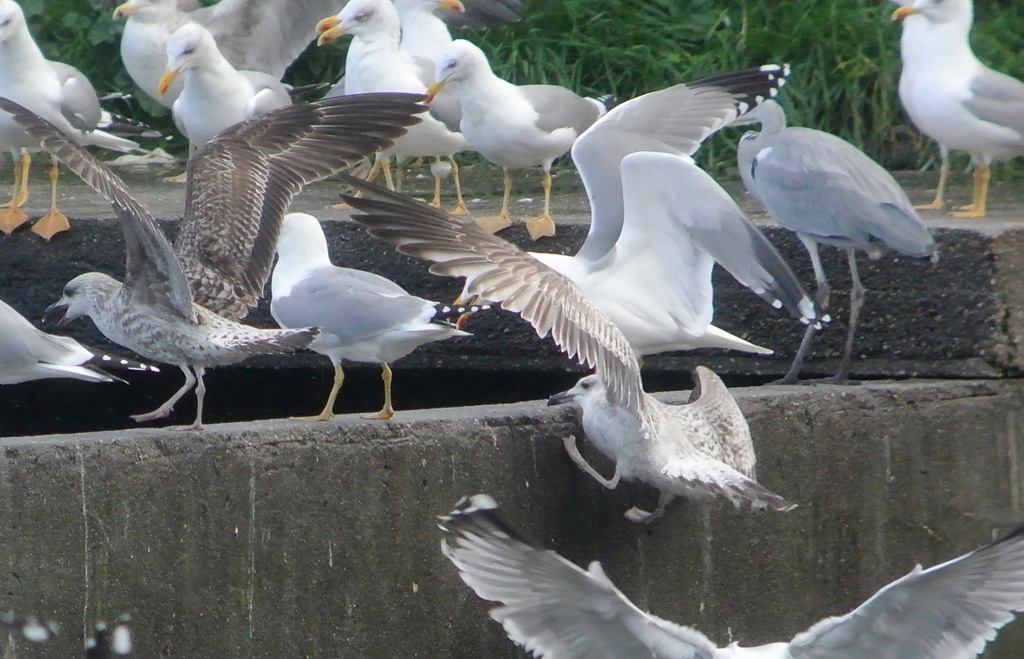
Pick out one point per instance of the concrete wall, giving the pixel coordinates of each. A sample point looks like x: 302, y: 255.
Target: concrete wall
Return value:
x: 290, y: 539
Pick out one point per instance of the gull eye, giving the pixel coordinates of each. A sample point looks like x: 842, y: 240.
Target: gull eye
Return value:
x: 191, y: 50
x: 363, y: 17
x: 586, y: 385
x: 5, y: 22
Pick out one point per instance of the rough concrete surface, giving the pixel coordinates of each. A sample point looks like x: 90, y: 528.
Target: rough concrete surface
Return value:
x: 294, y: 539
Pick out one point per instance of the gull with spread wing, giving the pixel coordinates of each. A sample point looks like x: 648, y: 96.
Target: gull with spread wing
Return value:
x: 181, y: 306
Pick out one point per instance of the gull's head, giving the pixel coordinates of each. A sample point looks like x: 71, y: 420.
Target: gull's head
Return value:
x: 589, y: 388
x: 185, y: 50
x: 936, y: 11
x: 360, y: 18
x: 12, y: 20
x: 149, y: 8
x: 458, y: 62
x: 83, y: 296
x: 301, y: 236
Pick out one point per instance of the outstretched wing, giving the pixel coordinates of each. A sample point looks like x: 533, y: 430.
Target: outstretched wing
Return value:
x: 241, y: 183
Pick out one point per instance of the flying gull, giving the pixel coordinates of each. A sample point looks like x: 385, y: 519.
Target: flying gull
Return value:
x: 698, y: 449
x: 376, y: 63
x: 659, y: 223
x: 513, y: 126
x: 54, y: 90
x: 27, y: 353
x: 215, y: 94
x: 362, y: 317
x: 828, y: 191
x: 239, y: 186
x: 556, y: 610
x: 253, y: 35
x: 953, y: 98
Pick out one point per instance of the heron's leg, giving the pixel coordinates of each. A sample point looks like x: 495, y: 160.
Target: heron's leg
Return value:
x: 387, y: 411
x: 460, y: 205
x: 821, y: 296
x: 11, y: 215
x: 634, y: 514
x: 574, y: 453
x: 940, y: 193
x: 165, y: 409
x: 982, y: 174
x: 53, y: 222
x: 543, y: 225
x: 792, y: 376
x: 502, y: 219
x: 856, y: 302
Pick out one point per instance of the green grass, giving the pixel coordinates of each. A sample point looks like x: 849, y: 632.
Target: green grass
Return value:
x: 844, y: 54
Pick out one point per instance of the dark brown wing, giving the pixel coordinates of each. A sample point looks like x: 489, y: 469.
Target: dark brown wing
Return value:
x: 153, y: 276
x: 241, y: 183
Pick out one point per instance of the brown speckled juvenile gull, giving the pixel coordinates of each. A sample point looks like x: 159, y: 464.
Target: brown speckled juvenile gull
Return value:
x: 238, y: 189
x: 698, y: 449
x: 558, y: 611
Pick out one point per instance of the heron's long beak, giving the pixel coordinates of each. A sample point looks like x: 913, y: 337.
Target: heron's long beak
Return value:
x: 56, y: 313
x: 433, y: 89
x: 329, y: 29
x: 903, y: 12
x: 124, y: 11
x: 452, y: 5
x: 165, y: 81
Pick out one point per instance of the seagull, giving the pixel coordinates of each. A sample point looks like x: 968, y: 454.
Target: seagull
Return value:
x: 712, y: 456
x: 955, y: 99
x: 557, y: 610
x: 659, y: 223
x: 425, y: 33
x: 513, y: 126
x: 181, y: 306
x: 362, y: 317
x: 27, y: 353
x: 253, y: 35
x: 54, y: 90
x: 215, y: 94
x: 376, y: 63
x: 828, y: 191
x: 110, y: 641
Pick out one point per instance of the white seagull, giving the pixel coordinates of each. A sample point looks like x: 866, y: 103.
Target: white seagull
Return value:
x: 953, y: 98
x: 556, y: 610
x: 425, y: 22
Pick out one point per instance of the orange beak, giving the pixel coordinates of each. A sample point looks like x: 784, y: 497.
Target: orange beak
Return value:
x: 165, y: 81
x: 329, y: 30
x: 124, y: 11
x: 452, y: 5
x: 433, y: 89
x: 903, y: 12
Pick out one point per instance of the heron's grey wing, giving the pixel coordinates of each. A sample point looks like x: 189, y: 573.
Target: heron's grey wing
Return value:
x: 480, y: 14
x: 550, y: 606
x: 350, y: 304
x: 153, y: 276
x: 263, y: 35
x: 950, y: 610
x: 78, y: 101
x: 498, y: 270
x: 241, y: 183
x: 677, y: 220
x: 818, y: 184
x: 998, y: 98
x: 445, y: 106
x: 674, y: 120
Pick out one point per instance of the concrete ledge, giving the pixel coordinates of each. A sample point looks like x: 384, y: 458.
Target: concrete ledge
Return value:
x: 291, y: 539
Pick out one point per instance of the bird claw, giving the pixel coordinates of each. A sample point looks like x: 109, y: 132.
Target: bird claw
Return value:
x: 51, y: 224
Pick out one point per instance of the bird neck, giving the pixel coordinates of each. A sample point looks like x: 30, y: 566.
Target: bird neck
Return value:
x: 22, y: 56
x: 939, y: 44
x: 423, y: 34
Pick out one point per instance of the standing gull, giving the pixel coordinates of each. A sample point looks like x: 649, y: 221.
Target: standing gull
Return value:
x: 828, y: 191
x: 27, y: 353
x: 556, y: 610
x: 253, y: 35
x: 215, y: 94
x: 698, y: 449
x: 513, y: 126
x: 239, y: 186
x: 55, y: 91
x: 376, y: 63
x: 659, y: 223
x: 362, y: 317
x: 955, y: 99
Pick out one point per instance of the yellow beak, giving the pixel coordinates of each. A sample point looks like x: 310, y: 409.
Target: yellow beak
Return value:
x: 124, y: 11
x: 329, y: 30
x: 433, y: 89
x: 453, y: 5
x: 903, y: 12
x: 165, y: 81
